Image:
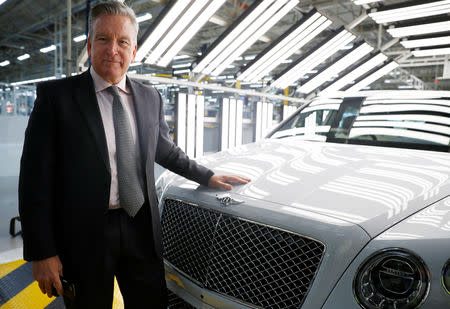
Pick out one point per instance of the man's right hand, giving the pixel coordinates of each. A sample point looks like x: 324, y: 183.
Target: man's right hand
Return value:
x: 46, y: 272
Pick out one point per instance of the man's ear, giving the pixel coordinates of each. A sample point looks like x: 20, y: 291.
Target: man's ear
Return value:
x: 134, y: 52
x: 89, y: 46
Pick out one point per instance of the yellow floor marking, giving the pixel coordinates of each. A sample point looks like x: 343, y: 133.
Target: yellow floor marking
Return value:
x: 30, y: 297
x: 118, y: 300
x: 9, y: 267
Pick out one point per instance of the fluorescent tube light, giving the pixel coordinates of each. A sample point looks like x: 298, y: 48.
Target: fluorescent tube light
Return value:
x: 431, y: 52
x: 47, y: 49
x: 336, y: 68
x: 420, y: 29
x: 265, y: 112
x: 412, y: 12
x: 4, y: 63
x: 239, y: 112
x: 181, y: 65
x: 225, y: 120
x: 159, y: 31
x: 80, y: 38
x: 228, y: 39
x: 279, y: 53
x: 189, y: 32
x: 176, y: 27
x: 144, y: 17
x: 32, y: 81
x: 269, y: 124
x: 258, y: 129
x: 190, y: 133
x: 2, y: 1
x: 23, y: 57
x: 232, y: 124
x: 314, y: 59
x: 374, y: 76
x: 443, y: 40
x: 179, y: 24
x: 181, y: 121
x: 257, y: 29
x: 260, y: 17
x: 180, y: 57
x: 361, y: 2
x: 356, y: 73
x: 181, y: 71
x: 199, y: 126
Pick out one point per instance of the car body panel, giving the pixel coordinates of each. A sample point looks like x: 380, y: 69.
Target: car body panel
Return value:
x: 343, y: 240
x: 426, y: 234
x: 374, y: 187
x: 357, y: 197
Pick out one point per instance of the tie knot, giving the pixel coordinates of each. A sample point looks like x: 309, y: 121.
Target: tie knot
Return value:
x: 114, y: 90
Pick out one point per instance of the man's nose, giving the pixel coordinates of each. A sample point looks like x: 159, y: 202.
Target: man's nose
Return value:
x: 112, y: 47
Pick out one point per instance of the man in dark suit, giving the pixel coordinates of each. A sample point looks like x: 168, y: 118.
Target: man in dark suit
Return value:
x: 87, y: 197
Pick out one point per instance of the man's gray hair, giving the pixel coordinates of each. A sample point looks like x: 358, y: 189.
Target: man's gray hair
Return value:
x: 112, y: 7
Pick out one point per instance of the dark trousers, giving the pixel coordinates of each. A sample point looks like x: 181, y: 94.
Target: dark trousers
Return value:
x: 130, y: 257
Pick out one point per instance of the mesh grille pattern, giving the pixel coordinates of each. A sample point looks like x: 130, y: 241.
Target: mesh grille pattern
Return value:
x: 254, y: 263
x: 187, y: 237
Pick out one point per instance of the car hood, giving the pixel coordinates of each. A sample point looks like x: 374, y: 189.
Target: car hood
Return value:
x: 373, y: 187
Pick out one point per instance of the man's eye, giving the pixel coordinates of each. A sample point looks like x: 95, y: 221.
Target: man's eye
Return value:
x: 124, y: 42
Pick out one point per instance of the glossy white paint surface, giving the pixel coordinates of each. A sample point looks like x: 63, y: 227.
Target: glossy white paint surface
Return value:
x: 355, y: 199
x: 374, y: 187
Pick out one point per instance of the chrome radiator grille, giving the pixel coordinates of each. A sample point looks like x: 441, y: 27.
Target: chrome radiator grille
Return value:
x: 253, y: 263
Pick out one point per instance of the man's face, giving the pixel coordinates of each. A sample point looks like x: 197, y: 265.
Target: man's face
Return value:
x: 112, y: 46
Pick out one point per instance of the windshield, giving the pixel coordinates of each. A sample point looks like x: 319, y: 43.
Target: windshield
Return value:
x: 406, y: 123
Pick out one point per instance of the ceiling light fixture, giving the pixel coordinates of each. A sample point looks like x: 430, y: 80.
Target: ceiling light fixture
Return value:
x: 336, y: 68
x: 4, y: 63
x: 251, y: 25
x: 181, y: 65
x: 278, y: 52
x: 176, y: 25
x: 48, y: 49
x: 80, y: 38
x: 431, y: 52
x: 23, y: 57
x: 411, y: 12
x: 144, y: 17
x: 356, y: 73
x: 299, y: 69
x: 374, y: 76
x: 32, y: 81
x: 442, y: 26
x: 443, y: 40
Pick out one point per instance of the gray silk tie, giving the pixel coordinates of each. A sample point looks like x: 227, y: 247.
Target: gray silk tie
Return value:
x: 130, y: 191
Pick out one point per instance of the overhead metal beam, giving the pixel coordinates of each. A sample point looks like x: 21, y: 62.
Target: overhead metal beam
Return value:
x: 165, y: 80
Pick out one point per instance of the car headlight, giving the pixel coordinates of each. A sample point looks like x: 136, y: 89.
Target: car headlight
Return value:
x: 392, y: 278
x: 446, y: 276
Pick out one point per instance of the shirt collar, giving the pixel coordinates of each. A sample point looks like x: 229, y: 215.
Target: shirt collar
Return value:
x: 100, y: 84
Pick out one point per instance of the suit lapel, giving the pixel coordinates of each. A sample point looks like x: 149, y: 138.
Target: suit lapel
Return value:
x: 87, y: 100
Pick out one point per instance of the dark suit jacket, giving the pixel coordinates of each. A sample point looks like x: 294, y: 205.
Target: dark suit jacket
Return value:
x: 65, y: 176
